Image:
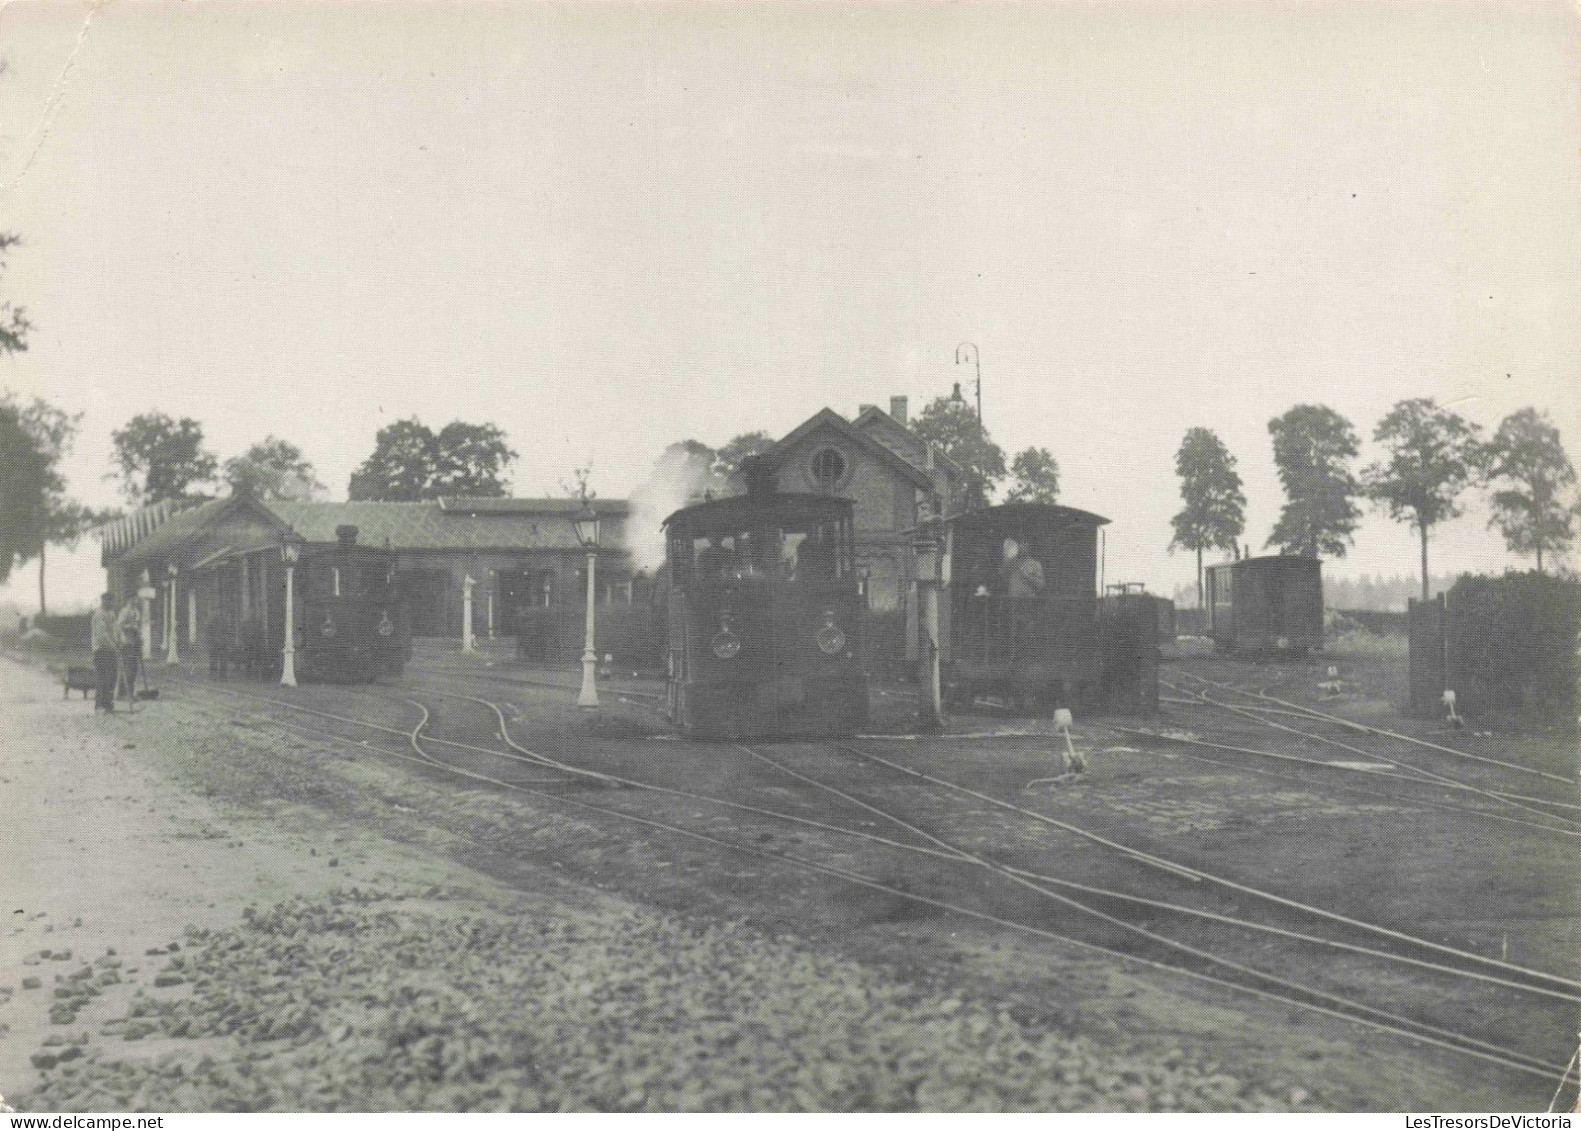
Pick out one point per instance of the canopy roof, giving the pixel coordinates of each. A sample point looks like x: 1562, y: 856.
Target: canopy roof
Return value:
x: 1028, y: 513
x: 743, y: 512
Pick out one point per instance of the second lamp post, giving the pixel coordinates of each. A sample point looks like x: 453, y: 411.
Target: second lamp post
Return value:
x: 290, y: 554
x: 586, y: 524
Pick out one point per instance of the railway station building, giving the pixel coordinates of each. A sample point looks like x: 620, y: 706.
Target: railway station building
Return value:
x: 528, y: 569
x: 890, y: 473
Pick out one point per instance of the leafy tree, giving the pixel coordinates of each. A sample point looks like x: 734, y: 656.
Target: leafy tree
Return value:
x: 159, y: 458
x: 472, y: 460
x: 13, y: 320
x: 1531, y: 511
x: 1433, y: 455
x: 1034, y: 477
x: 34, y: 511
x: 64, y: 524
x: 950, y: 425
x: 401, y: 466
x: 411, y: 462
x: 728, y: 458
x: 273, y: 469
x: 1313, y: 447
x: 688, y: 468
x: 30, y: 479
x: 1215, y: 510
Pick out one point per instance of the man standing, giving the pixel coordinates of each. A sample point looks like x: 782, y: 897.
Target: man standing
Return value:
x: 129, y: 630
x: 1022, y: 575
x: 106, y: 648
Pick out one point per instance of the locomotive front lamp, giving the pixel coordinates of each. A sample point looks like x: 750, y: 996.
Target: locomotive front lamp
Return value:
x: 726, y: 644
x: 830, y: 638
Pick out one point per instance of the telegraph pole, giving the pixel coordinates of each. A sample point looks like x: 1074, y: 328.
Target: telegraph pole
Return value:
x: 965, y: 352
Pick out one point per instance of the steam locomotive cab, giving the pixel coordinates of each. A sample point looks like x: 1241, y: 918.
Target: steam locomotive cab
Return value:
x: 352, y: 627
x: 764, y: 618
x: 1023, y: 612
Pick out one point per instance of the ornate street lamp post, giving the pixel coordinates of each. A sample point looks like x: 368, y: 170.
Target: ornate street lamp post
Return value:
x: 493, y: 583
x: 290, y: 554
x: 145, y: 594
x: 468, y: 643
x: 586, y: 525
x: 170, y: 618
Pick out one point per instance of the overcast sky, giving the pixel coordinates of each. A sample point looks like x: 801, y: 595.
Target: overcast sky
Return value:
x: 607, y: 227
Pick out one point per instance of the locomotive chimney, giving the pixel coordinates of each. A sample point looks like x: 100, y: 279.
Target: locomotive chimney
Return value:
x: 897, y: 409
x: 346, y: 534
x: 758, y: 471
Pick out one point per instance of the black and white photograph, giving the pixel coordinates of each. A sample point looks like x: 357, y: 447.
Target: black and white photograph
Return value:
x: 784, y: 556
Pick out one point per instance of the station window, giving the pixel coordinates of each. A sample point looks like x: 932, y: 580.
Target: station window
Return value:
x: 828, y: 469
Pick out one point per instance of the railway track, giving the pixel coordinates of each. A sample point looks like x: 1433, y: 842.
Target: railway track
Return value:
x: 422, y: 741
x: 1323, y: 773
x: 1531, y: 805
x: 1351, y: 724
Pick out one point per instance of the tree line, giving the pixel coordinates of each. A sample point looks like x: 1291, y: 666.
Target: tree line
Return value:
x: 1431, y: 457
x: 157, y: 458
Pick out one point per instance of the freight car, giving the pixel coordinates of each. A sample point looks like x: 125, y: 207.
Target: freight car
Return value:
x: 1022, y: 617
x: 764, y: 615
x: 1267, y: 604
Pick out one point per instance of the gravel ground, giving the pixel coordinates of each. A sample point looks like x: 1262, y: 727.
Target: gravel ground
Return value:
x: 382, y: 1000
x: 213, y: 916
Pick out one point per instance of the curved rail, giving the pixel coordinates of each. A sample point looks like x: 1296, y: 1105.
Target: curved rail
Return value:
x: 1233, y: 885
x: 1337, y: 1000
x: 1451, y: 1041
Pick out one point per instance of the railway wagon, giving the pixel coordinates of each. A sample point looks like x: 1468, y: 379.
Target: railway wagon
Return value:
x: 1023, y: 613
x: 764, y: 617
x: 1267, y: 604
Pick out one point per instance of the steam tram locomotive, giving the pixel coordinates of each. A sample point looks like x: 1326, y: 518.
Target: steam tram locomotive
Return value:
x: 1022, y: 621
x: 350, y: 624
x: 764, y: 634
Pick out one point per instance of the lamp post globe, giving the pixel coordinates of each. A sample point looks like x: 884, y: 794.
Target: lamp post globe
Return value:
x: 586, y: 526
x: 290, y: 554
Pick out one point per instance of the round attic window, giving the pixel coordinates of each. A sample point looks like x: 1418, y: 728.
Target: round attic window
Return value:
x: 827, y: 469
